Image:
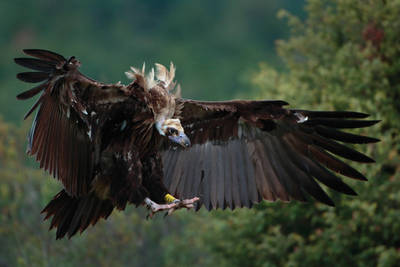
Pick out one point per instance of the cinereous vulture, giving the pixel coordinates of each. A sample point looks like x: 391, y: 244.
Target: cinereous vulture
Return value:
x: 113, y: 144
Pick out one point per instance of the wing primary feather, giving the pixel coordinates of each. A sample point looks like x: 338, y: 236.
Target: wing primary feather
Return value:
x: 59, y: 143
x: 343, y: 136
x: 331, y: 114
x: 314, y: 169
x: 44, y: 54
x: 32, y: 92
x: 36, y: 64
x: 33, y: 137
x: 340, y: 123
x: 31, y: 134
x: 341, y: 150
x: 37, y: 103
x: 302, y: 145
x: 304, y: 181
x: 335, y: 164
x: 330, y: 180
x: 32, y: 77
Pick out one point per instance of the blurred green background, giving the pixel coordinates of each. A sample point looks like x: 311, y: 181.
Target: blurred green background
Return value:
x: 321, y: 54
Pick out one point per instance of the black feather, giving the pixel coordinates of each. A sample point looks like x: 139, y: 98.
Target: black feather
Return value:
x: 314, y: 169
x: 335, y: 164
x: 36, y: 64
x: 33, y: 77
x: 332, y: 114
x: 44, y: 54
x: 341, y: 150
x: 340, y: 123
x: 344, y: 137
x: 31, y: 92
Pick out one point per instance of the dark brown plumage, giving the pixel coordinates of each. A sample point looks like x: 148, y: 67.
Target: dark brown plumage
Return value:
x: 112, y: 145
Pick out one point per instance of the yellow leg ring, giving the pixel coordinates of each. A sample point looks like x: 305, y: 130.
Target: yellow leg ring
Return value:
x: 169, y: 198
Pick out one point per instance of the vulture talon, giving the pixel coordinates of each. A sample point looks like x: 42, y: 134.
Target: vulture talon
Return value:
x: 169, y: 208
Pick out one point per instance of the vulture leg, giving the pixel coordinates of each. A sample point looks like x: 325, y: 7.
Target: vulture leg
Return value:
x: 158, y: 193
x: 170, y: 207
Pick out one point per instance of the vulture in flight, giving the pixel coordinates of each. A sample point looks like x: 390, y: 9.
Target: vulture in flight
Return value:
x: 112, y: 144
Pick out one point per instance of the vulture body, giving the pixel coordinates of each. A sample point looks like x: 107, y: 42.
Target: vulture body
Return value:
x: 111, y: 145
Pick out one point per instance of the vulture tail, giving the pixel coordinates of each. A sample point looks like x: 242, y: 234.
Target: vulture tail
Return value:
x: 71, y: 214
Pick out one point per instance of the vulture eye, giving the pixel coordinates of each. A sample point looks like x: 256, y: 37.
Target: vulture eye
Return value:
x: 172, y: 131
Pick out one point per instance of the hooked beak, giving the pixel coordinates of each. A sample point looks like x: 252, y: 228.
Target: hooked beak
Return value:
x: 181, y: 139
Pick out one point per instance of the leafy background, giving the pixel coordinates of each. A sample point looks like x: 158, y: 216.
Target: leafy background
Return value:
x: 342, y: 54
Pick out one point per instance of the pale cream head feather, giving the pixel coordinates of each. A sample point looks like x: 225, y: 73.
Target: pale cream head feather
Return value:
x: 161, y: 76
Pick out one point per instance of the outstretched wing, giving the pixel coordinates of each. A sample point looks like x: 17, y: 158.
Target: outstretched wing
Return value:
x: 246, y: 151
x: 60, y: 136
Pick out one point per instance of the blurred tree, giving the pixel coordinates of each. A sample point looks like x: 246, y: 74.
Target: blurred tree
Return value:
x: 344, y: 56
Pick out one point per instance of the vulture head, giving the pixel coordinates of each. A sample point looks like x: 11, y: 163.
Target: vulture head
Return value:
x: 161, y: 83
x: 173, y: 129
